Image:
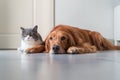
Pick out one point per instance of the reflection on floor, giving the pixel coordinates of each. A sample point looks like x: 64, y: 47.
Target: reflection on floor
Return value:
x: 103, y: 65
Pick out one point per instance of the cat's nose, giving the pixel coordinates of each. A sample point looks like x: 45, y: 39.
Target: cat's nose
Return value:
x: 28, y: 37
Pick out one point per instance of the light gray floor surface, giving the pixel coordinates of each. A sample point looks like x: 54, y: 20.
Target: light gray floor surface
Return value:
x: 104, y: 65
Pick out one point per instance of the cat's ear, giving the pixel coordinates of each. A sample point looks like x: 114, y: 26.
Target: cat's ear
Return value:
x: 22, y: 28
x: 35, y: 28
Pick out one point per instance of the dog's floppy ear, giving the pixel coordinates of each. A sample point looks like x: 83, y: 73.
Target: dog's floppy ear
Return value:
x: 47, y: 45
x: 72, y: 41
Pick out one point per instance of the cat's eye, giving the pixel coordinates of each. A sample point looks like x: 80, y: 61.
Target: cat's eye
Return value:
x: 31, y: 34
x: 24, y: 35
x: 51, y: 38
x: 63, y: 38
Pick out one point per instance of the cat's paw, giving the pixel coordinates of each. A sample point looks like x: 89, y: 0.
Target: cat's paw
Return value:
x: 20, y: 50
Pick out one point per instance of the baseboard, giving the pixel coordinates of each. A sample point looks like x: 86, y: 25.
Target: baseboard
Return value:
x: 111, y: 40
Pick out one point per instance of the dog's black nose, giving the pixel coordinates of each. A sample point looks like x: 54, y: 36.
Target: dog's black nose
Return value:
x: 56, y: 48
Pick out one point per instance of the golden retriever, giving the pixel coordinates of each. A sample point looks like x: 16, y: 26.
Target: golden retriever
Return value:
x: 68, y: 39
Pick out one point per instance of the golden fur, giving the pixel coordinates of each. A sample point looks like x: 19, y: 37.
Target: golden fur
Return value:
x: 68, y: 39
x: 36, y: 49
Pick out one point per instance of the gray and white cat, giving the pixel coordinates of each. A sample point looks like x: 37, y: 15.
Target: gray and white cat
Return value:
x: 29, y: 38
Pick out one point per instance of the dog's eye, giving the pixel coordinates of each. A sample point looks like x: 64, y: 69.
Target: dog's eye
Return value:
x: 51, y: 38
x: 63, y: 38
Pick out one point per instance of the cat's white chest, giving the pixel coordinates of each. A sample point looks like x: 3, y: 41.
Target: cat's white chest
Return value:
x: 28, y: 44
x: 25, y: 45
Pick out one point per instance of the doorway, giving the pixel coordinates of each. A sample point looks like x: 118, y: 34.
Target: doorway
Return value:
x: 23, y: 13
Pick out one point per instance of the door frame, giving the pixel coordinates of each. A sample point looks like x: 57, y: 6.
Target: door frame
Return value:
x: 52, y: 11
x: 36, y: 14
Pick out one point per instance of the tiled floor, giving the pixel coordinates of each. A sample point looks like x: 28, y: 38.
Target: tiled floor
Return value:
x: 103, y: 65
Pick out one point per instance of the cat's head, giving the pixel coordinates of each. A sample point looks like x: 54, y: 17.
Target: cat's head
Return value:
x: 30, y: 34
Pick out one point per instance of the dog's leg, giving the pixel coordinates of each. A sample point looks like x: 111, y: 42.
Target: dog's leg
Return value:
x: 36, y: 49
x: 86, y: 48
x: 97, y: 40
x: 75, y: 50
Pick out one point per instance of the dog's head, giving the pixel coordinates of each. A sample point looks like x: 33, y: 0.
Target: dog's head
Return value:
x: 58, y: 41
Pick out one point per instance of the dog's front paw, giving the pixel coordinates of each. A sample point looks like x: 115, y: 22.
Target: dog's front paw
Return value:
x: 75, y: 50
x: 36, y: 49
x: 29, y: 50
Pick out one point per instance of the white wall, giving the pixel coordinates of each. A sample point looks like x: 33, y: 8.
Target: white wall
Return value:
x: 44, y: 16
x: 88, y: 14
x: 116, y: 2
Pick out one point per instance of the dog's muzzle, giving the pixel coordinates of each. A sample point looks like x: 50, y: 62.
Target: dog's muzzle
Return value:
x: 56, y: 49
